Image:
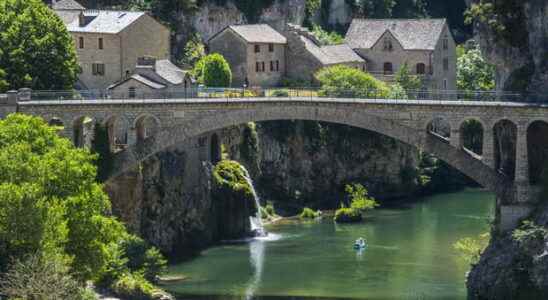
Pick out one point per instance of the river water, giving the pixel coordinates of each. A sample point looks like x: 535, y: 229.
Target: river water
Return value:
x: 410, y: 256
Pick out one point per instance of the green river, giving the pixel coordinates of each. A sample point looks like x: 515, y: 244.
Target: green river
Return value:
x: 410, y: 256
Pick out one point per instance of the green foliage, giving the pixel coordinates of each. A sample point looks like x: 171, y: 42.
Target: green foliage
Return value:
x: 193, y: 52
x: 229, y: 174
x: 484, y: 12
x: 37, y: 51
x: 359, y: 198
x: 326, y: 37
x: 472, y: 135
x: 470, y: 249
x: 347, y: 215
x: 312, y: 7
x: 36, y: 278
x: 49, y: 200
x: 280, y: 93
x: 134, y: 286
x: 530, y: 235
x: 215, y: 71
x: 143, y: 258
x: 407, y: 81
x: 249, y: 149
x: 101, y: 147
x: 397, y: 92
x: 343, y: 81
x: 308, y: 213
x: 473, y: 72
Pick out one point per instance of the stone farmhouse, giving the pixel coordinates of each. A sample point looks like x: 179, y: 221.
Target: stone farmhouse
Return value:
x: 112, y: 45
x: 261, y: 56
x: 426, y: 45
x: 255, y: 53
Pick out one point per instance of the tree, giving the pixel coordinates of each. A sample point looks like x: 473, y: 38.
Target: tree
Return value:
x: 216, y: 71
x: 37, y: 50
x: 473, y: 72
x: 373, y: 8
x: 101, y: 146
x: 49, y: 201
x: 407, y: 81
x: 343, y: 81
x: 194, y: 51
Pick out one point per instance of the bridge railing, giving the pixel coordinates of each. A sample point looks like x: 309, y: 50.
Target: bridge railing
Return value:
x: 284, y: 93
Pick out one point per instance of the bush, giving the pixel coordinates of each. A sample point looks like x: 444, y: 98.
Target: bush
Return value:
x: 216, y: 71
x: 326, y: 37
x: 347, y: 215
x: 143, y: 258
x: 343, y: 81
x: 470, y: 249
x: 308, y: 213
x: 134, y: 286
x: 280, y: 93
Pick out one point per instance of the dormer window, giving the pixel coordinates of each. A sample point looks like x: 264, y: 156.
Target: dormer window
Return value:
x: 387, y: 44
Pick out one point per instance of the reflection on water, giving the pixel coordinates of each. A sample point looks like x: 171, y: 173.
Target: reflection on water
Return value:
x: 410, y: 255
x: 256, y: 257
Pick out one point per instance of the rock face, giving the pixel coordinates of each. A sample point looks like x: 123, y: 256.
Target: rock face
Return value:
x: 514, y: 265
x: 521, y: 52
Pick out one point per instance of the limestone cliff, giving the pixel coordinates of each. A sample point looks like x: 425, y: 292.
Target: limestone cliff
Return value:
x: 520, y: 50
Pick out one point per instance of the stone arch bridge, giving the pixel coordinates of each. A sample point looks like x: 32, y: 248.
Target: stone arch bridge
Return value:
x: 141, y: 128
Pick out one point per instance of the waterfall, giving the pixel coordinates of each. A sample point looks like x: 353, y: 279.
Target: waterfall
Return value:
x: 256, y: 221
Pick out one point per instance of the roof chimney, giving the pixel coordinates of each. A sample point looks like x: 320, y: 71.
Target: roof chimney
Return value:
x: 81, y: 19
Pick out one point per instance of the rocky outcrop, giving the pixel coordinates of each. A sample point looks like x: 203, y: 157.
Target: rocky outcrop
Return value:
x: 520, y: 51
x: 515, y: 264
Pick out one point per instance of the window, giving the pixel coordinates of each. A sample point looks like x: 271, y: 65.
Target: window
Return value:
x: 446, y: 64
x: 262, y: 64
x: 388, y: 68
x: 270, y: 47
x: 445, y: 43
x: 421, y: 68
x: 271, y: 66
x: 100, y: 43
x: 257, y: 67
x: 387, y: 44
x: 445, y: 84
x: 277, y: 65
x: 363, y: 68
x: 98, y: 69
x: 81, y: 42
x: 131, y: 92
x: 257, y: 48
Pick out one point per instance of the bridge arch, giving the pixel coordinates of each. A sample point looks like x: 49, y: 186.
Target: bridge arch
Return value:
x: 348, y: 115
x: 472, y: 134
x: 146, y: 125
x: 82, y: 131
x: 505, y: 133
x: 117, y: 127
x: 537, y: 147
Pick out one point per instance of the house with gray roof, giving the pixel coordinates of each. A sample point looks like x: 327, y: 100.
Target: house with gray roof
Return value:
x: 109, y: 43
x: 256, y: 54
x: 154, y: 78
x: 425, y: 45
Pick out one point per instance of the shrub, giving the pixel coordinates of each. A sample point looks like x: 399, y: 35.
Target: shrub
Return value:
x: 359, y: 198
x: 134, y: 286
x: 343, y: 81
x: 216, y: 71
x: 280, y: 93
x: 470, y: 249
x: 308, y: 213
x: 326, y: 37
x: 347, y: 215
x: 269, y: 208
x: 407, y: 81
x: 530, y: 236
x: 143, y: 258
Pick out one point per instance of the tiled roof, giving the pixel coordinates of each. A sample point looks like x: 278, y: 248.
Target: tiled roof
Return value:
x: 66, y: 5
x: 259, y: 33
x: 170, y: 72
x: 413, y: 34
x: 141, y: 79
x: 104, y: 21
x: 330, y: 55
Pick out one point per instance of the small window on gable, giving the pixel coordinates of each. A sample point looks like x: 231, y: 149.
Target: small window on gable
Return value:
x: 270, y: 47
x: 257, y: 48
x: 446, y: 64
x: 277, y: 65
x: 445, y: 43
x: 421, y: 68
x: 388, y: 69
x: 100, y: 43
x: 262, y: 65
x: 387, y: 46
x: 445, y: 84
x: 132, y: 92
x: 81, y: 42
x: 271, y: 66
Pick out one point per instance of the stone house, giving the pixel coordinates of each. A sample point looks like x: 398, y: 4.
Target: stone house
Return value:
x: 305, y: 55
x: 256, y: 54
x: 426, y: 45
x: 154, y: 78
x: 109, y: 43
